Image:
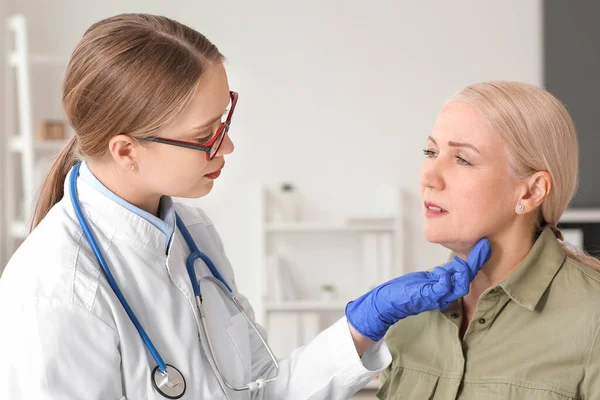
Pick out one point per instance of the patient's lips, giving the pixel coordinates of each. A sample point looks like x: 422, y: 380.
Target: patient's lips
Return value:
x: 433, y: 210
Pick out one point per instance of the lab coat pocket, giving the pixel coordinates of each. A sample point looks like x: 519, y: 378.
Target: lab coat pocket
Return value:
x: 411, y: 384
x: 239, y: 332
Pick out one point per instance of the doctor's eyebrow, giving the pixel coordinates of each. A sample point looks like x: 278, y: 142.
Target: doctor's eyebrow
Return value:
x: 209, y: 123
x: 205, y: 125
x: 456, y: 144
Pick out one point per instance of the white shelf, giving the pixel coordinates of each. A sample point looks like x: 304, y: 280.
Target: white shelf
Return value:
x: 16, y: 144
x: 314, y: 227
x: 299, y: 306
x: 18, y: 230
x: 38, y: 59
x: 22, y: 173
x: 42, y: 59
x: 581, y: 215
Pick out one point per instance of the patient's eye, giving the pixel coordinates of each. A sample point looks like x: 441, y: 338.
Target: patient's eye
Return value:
x: 462, y: 161
x: 429, y: 153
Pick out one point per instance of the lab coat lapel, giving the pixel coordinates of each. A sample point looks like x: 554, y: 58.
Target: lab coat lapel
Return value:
x: 178, y: 253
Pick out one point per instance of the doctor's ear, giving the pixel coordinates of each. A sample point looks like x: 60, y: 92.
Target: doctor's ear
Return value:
x: 122, y: 149
x: 536, y: 189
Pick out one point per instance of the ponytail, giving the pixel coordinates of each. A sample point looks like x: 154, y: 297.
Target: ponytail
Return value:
x: 571, y: 251
x: 581, y: 256
x: 52, y: 189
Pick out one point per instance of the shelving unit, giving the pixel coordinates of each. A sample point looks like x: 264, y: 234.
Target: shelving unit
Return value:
x: 316, y: 227
x: 583, y: 215
x: 581, y: 229
x: 22, y: 151
x: 354, y: 253
x: 16, y: 144
x: 305, y: 306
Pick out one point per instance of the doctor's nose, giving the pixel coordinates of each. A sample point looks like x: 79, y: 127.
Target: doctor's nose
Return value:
x: 227, y: 146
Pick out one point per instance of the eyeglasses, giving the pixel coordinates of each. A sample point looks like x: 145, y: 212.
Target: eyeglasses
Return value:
x: 212, y: 147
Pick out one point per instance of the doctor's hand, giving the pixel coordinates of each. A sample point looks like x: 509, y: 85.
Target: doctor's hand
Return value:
x: 411, y: 294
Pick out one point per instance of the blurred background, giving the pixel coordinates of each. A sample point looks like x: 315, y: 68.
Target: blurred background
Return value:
x: 320, y: 200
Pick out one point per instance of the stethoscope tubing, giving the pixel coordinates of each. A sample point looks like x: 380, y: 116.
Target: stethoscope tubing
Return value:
x: 111, y: 280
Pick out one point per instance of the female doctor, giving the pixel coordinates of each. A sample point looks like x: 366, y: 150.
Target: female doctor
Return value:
x: 119, y: 292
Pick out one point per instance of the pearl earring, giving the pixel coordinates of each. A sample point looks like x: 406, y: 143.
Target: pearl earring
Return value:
x: 132, y: 167
x: 520, y: 208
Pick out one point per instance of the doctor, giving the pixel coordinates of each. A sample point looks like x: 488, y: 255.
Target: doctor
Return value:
x: 121, y: 293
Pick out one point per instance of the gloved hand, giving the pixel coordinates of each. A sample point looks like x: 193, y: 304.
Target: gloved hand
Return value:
x: 411, y: 294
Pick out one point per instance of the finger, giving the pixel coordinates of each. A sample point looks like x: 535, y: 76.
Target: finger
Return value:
x: 461, y: 279
x: 446, y: 303
x: 479, y: 255
x: 457, y: 266
x: 437, y: 272
x: 443, y: 285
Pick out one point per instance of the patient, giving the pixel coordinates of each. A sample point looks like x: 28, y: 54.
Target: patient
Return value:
x: 501, y: 163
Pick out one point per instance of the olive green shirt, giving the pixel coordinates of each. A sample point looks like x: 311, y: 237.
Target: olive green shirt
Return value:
x: 532, y: 336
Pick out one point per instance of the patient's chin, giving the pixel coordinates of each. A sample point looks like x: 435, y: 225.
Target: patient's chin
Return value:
x: 459, y: 250
x: 452, y: 246
x: 456, y: 245
x: 435, y: 236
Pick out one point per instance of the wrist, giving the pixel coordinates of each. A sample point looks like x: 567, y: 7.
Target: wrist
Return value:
x: 361, y: 343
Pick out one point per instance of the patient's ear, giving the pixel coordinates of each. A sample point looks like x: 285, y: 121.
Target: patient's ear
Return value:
x: 537, y: 187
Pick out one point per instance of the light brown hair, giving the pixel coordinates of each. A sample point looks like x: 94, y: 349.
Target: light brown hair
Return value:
x: 131, y: 73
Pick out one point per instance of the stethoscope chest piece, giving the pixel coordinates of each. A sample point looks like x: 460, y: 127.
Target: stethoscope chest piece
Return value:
x: 170, y: 384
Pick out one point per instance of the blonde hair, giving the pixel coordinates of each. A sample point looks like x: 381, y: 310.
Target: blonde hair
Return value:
x: 539, y: 135
x: 131, y: 73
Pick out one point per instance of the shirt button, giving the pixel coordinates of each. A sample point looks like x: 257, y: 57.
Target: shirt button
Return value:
x: 455, y: 315
x: 482, y: 320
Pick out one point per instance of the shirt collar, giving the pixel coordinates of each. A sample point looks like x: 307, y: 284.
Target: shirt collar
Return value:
x: 123, y: 215
x: 526, y: 285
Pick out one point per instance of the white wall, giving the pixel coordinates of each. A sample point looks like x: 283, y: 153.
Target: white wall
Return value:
x: 336, y: 96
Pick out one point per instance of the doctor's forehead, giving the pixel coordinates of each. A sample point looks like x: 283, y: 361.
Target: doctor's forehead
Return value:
x: 210, y: 99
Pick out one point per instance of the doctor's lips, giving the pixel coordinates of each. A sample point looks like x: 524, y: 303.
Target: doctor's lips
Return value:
x: 214, y: 175
x: 433, y: 210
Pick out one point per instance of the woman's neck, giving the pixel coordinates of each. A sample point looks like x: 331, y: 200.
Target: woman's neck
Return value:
x: 509, y: 248
x: 125, y: 186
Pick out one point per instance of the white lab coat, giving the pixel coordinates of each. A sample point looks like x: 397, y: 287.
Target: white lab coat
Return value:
x: 65, y: 335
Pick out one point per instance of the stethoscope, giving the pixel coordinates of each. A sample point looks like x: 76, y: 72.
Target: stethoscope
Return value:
x: 167, y: 379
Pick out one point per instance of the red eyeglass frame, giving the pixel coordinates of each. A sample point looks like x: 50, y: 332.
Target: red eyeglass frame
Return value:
x: 212, y: 147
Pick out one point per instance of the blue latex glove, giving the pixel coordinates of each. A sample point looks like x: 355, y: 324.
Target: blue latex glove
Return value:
x: 411, y: 294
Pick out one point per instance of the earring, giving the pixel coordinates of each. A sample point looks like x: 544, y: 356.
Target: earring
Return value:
x: 132, y: 167
x: 520, y: 208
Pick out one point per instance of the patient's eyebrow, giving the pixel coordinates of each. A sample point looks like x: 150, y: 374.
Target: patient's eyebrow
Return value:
x: 457, y: 144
